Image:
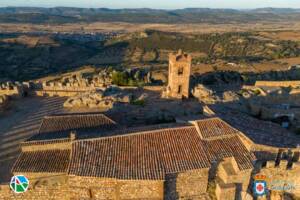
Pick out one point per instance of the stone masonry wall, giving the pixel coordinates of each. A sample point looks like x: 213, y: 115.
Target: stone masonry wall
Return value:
x: 45, y: 193
x: 43, y: 147
x: 99, y: 188
x: 41, y: 186
x: 179, y: 75
x: 61, y: 187
x: 228, y: 173
x: 186, y: 185
x: 277, y: 83
x: 281, y: 177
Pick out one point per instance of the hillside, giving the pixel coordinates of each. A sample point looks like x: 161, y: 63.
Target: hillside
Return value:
x: 24, y: 57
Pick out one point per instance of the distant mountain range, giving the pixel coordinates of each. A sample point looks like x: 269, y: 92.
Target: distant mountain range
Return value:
x: 145, y: 15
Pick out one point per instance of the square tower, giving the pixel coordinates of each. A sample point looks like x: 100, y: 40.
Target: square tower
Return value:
x: 179, y: 75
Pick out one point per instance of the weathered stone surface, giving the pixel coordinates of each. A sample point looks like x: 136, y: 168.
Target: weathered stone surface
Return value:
x: 99, y: 99
x: 204, y: 94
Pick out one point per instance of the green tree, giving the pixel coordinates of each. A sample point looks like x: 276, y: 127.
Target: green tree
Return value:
x: 120, y: 78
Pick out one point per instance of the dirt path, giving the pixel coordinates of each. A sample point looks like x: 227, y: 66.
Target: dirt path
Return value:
x: 21, y: 121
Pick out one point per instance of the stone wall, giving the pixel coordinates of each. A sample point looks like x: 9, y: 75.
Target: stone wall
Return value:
x: 100, y: 188
x: 60, y: 145
x: 282, y: 177
x: 45, y: 193
x: 186, y: 185
x: 277, y: 84
x: 229, y: 173
x: 295, y: 91
x: 10, y: 89
x: 225, y: 191
x: 41, y: 186
x: 61, y: 187
x: 266, y: 153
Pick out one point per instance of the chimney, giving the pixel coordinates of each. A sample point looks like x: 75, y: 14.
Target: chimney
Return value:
x: 73, y: 135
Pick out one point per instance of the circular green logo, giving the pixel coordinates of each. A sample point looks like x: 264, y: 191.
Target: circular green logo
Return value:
x: 19, y: 184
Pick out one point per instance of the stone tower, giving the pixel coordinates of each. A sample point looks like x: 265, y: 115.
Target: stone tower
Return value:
x: 179, y: 75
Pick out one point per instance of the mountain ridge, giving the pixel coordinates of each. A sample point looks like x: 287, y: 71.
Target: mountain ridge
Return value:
x: 143, y: 15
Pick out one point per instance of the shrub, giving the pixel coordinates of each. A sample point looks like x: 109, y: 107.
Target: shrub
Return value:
x: 120, y: 78
x: 139, y: 102
x: 257, y: 92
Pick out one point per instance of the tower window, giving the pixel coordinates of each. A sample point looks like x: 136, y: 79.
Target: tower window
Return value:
x: 180, y: 71
x: 179, y: 89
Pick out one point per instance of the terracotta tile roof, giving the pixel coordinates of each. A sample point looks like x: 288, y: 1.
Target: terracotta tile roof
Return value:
x: 141, y: 154
x: 52, y: 161
x: 148, y: 155
x: 228, y: 147
x: 58, y: 123
x: 214, y: 127
x: 59, y: 126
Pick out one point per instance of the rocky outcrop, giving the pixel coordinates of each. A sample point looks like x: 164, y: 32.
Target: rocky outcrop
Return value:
x: 204, y: 94
x: 99, y: 99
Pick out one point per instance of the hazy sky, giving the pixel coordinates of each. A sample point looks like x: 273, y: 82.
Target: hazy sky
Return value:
x: 167, y: 4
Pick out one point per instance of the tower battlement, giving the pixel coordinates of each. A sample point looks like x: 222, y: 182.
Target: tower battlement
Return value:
x: 180, y: 56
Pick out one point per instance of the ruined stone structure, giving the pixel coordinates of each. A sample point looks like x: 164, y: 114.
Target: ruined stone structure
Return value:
x: 179, y: 75
x: 99, y: 99
x: 11, y: 89
x: 88, y: 156
x: 73, y: 85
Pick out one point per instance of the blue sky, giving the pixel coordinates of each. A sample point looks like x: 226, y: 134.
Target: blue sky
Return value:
x: 166, y: 4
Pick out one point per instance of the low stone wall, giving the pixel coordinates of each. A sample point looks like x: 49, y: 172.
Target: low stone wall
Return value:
x: 265, y: 153
x: 59, y: 93
x: 295, y: 91
x: 277, y: 83
x: 58, y: 145
x: 14, y: 92
x: 154, y: 88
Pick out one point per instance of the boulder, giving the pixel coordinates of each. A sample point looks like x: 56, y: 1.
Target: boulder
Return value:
x: 201, y: 92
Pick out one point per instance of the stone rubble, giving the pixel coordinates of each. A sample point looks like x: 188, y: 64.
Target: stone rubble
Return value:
x: 99, y: 99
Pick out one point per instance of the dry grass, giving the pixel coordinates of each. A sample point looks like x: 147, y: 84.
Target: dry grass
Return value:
x: 282, y: 35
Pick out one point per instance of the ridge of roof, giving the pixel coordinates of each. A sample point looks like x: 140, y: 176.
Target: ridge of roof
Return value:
x: 136, y: 133
x: 78, y: 115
